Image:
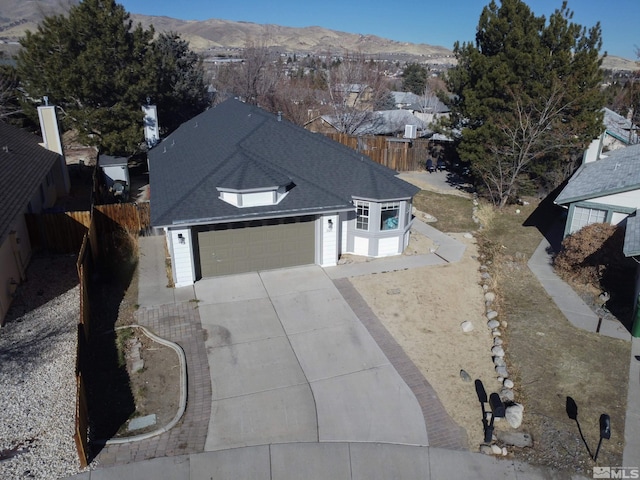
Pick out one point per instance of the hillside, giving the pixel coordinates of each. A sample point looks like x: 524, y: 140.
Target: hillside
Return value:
x: 215, y: 36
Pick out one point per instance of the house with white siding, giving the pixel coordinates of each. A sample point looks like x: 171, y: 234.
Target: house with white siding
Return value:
x: 604, y: 190
x: 238, y: 189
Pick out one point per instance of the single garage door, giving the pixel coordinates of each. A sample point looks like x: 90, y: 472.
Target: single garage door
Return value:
x: 252, y: 246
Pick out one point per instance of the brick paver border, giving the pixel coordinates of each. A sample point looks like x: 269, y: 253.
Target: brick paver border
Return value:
x: 179, y: 323
x: 442, y: 431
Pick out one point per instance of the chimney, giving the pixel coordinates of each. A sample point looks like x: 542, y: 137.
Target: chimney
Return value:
x: 151, y: 128
x: 51, y: 137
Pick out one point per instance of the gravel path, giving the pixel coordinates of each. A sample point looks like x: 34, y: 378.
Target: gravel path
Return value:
x: 37, y: 374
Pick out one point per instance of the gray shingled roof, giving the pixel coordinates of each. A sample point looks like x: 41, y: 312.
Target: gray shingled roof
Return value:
x: 383, y: 122
x: 618, y: 172
x: 620, y: 127
x: 24, y: 164
x: 235, y: 145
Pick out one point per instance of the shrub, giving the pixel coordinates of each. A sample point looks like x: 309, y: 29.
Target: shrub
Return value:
x: 591, y: 253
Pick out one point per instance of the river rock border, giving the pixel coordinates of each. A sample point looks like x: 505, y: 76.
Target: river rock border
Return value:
x: 514, y: 411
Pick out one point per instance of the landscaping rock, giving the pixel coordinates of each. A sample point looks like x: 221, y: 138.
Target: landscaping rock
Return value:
x: 493, y: 324
x: 486, y: 449
x: 499, y: 362
x: 504, y: 451
x: 497, y: 351
x: 496, y: 450
x: 465, y: 376
x: 506, y: 395
x: 514, y: 415
x: 491, y: 314
x: 508, y: 383
x: 497, y: 341
x: 504, y: 324
x: 496, y: 332
x: 515, y: 439
x: 502, y: 371
x: 485, y: 276
x: 466, y: 326
x: 489, y: 296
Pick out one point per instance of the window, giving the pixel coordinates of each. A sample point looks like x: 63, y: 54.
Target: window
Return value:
x: 390, y: 216
x: 362, y: 215
x: 583, y: 216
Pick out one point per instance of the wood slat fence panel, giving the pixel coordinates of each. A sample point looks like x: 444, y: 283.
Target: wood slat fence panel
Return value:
x: 398, y: 155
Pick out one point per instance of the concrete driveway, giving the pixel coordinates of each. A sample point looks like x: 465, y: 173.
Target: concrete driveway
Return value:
x: 290, y: 362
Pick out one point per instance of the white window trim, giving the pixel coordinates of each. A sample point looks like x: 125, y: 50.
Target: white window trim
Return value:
x: 362, y: 205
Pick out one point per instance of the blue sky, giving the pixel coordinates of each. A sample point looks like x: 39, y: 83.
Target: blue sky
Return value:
x: 435, y: 22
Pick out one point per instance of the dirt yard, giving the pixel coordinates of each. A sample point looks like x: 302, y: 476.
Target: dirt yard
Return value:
x: 423, y: 309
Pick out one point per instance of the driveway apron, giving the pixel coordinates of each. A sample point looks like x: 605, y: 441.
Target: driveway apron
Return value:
x: 291, y: 362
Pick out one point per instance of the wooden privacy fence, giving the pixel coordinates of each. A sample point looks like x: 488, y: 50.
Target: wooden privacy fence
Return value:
x: 64, y: 232
x: 57, y: 232
x: 87, y: 233
x: 398, y: 154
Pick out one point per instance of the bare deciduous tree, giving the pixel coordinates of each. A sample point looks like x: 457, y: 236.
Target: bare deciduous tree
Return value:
x: 355, y: 86
x: 536, y: 131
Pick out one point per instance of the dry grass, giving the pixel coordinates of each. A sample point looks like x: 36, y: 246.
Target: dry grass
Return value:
x: 551, y: 360
x: 453, y: 212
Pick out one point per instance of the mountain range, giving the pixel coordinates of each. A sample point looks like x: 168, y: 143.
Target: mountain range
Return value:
x: 223, y: 37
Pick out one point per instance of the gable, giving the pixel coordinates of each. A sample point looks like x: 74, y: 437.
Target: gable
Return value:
x: 618, y: 172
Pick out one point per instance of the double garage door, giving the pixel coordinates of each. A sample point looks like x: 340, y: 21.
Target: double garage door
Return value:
x: 258, y: 245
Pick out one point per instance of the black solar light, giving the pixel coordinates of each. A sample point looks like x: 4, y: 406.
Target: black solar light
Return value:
x: 605, y: 432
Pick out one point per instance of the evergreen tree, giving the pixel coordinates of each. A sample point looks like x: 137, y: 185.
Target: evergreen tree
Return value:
x: 181, y: 87
x: 527, y: 97
x: 99, y: 69
x: 414, y: 78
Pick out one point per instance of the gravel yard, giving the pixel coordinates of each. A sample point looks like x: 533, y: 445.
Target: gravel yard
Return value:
x: 37, y: 373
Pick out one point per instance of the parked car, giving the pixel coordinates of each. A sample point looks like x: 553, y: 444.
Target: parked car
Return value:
x: 441, y: 166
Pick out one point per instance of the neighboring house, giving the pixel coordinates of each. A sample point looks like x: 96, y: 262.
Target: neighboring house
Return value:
x: 427, y: 108
x: 382, y: 122
x: 605, y: 190
x: 356, y: 95
x: 31, y: 179
x: 238, y: 190
x: 619, y: 131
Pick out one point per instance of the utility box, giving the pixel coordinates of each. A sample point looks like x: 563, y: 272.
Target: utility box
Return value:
x: 410, y: 131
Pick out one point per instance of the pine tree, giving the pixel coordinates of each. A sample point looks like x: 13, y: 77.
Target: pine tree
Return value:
x: 99, y: 69
x: 526, y: 98
x: 414, y: 78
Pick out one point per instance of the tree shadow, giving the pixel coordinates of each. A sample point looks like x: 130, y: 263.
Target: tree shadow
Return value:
x: 549, y: 219
x: 617, y: 277
x: 110, y: 400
